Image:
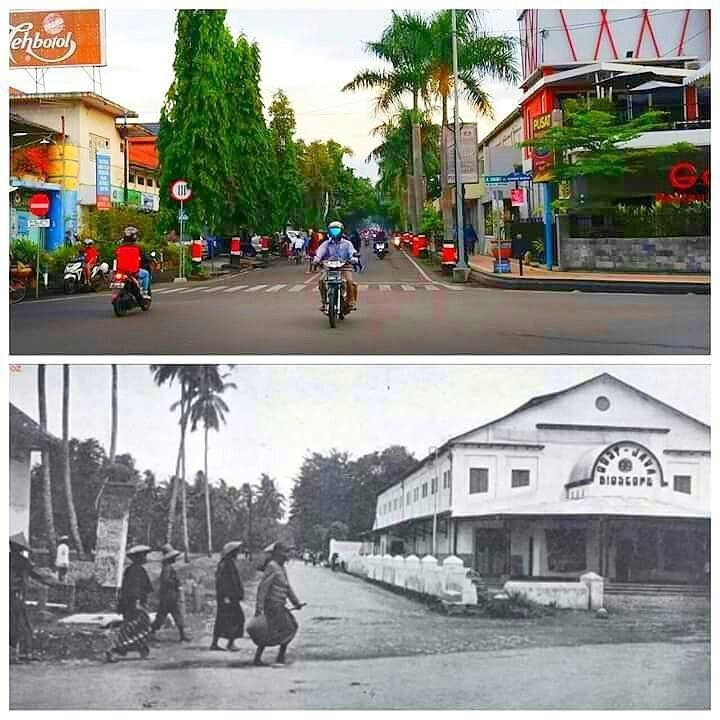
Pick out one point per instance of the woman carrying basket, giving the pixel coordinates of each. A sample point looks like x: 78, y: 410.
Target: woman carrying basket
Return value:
x: 279, y: 626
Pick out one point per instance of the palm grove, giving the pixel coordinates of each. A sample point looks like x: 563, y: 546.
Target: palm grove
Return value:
x: 245, y: 173
x: 333, y: 495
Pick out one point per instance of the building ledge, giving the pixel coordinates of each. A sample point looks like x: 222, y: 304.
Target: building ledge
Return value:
x: 600, y: 428
x: 688, y: 453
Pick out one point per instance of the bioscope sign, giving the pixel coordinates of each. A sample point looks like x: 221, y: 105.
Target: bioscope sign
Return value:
x: 56, y: 39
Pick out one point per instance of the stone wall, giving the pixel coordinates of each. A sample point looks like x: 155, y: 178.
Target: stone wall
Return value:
x: 670, y: 254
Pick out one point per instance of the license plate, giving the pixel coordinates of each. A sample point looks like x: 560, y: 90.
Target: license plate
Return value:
x: 334, y: 277
x: 117, y: 285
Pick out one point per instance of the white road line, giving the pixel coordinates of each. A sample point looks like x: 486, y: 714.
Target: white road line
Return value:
x: 255, y: 288
x: 432, y: 288
x: 215, y: 289
x: 385, y: 287
x: 235, y: 289
x: 170, y: 290
x: 451, y: 287
x: 275, y: 288
x: 419, y: 269
x: 363, y: 287
x: 297, y: 288
x: 192, y: 290
x: 314, y: 277
x: 408, y: 288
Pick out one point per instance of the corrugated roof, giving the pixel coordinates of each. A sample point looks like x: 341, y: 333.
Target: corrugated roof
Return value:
x: 25, y: 433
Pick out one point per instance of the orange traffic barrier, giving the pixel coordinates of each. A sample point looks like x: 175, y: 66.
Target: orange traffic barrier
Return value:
x: 235, y: 246
x: 196, y: 251
x: 449, y: 254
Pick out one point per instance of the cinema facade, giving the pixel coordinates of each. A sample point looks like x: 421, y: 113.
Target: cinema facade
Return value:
x: 598, y: 477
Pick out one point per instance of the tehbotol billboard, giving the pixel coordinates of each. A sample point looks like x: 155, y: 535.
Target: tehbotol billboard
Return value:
x: 57, y: 38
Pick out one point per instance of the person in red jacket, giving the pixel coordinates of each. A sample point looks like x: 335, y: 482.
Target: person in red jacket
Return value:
x: 90, y: 256
x: 132, y: 260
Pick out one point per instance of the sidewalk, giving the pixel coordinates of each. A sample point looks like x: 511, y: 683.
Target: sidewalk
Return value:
x: 535, y: 278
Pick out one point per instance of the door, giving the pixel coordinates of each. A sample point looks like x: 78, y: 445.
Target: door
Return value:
x: 490, y: 552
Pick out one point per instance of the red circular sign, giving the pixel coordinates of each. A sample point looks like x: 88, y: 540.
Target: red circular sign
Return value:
x: 39, y: 204
x: 180, y: 191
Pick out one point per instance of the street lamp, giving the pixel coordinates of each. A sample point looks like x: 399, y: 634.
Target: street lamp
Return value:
x: 434, y: 451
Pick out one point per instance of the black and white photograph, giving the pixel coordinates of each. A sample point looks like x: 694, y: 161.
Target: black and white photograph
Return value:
x: 359, y: 537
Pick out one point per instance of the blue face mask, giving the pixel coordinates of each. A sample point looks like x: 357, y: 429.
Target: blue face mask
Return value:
x: 334, y: 232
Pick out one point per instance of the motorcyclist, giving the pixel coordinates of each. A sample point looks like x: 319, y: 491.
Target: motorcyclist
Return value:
x: 338, y: 247
x: 131, y: 259
x: 90, y: 257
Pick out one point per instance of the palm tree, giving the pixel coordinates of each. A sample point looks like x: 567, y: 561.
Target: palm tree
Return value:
x: 403, y: 47
x: 480, y: 56
x: 47, y: 485
x: 72, y: 516
x: 209, y: 408
x: 113, y: 413
x: 186, y: 375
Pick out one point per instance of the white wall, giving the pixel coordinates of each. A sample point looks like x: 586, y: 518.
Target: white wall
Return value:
x: 20, y: 494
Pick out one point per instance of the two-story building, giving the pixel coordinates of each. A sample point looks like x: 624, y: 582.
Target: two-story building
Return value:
x: 600, y: 476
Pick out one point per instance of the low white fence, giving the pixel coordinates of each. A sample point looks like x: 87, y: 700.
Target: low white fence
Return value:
x: 447, y: 580
x: 585, y: 594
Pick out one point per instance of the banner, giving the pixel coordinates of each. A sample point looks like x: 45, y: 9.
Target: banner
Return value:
x: 103, y: 190
x: 468, y: 154
x: 57, y: 38
x: 543, y: 159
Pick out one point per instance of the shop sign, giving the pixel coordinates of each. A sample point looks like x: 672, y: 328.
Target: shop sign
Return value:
x: 543, y: 158
x: 517, y: 197
x: 103, y: 188
x: 684, y: 177
x: 58, y: 38
x: 628, y: 464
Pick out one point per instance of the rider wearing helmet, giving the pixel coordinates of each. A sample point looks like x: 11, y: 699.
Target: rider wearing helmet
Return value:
x: 132, y: 260
x: 338, y: 247
x: 90, y: 258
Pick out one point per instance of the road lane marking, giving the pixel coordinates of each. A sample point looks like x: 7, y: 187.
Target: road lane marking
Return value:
x: 255, y: 288
x: 363, y: 287
x: 275, y: 288
x: 215, y: 289
x: 235, y: 289
x: 419, y: 269
x: 192, y: 290
x: 408, y: 288
x: 297, y: 288
x: 314, y: 277
x: 451, y: 287
x: 385, y: 287
x: 432, y: 288
x: 170, y: 290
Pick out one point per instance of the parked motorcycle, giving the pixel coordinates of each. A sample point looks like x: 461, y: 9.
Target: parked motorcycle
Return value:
x: 74, y: 276
x: 335, y: 291
x: 380, y: 248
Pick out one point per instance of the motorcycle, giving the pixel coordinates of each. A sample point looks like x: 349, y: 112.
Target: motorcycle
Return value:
x: 74, y: 276
x: 126, y: 293
x: 335, y: 291
x: 380, y: 248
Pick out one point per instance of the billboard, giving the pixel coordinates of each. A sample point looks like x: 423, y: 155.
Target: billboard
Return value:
x: 468, y: 154
x: 543, y: 158
x: 57, y: 38
x: 103, y: 192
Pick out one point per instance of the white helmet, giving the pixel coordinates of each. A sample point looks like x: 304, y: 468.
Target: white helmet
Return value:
x: 88, y: 241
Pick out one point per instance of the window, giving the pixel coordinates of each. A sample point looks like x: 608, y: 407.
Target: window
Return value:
x: 478, y: 480
x: 682, y: 483
x: 602, y: 403
x: 520, y: 478
x: 446, y: 479
x: 416, y: 494
x: 424, y: 489
x: 131, y: 178
x: 149, y: 182
x: 408, y: 498
x: 488, y: 218
x: 140, y: 180
x: 566, y: 550
x: 433, y: 485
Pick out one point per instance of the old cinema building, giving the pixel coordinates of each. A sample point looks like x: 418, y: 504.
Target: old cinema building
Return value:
x: 600, y: 476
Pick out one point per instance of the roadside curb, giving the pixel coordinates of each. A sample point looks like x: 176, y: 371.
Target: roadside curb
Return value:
x: 492, y: 280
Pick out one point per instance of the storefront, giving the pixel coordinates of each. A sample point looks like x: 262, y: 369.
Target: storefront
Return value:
x: 599, y: 477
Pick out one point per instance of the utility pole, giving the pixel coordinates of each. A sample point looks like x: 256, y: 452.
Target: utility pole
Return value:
x: 461, y: 270
x: 435, y: 483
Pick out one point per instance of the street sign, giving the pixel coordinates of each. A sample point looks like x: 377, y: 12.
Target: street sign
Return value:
x: 180, y: 191
x: 38, y: 222
x: 182, y: 216
x: 39, y: 204
x: 518, y: 177
x: 495, y: 179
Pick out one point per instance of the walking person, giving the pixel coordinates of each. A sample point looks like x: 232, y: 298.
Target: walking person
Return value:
x: 21, y: 571
x: 136, y: 586
x: 170, y: 593
x: 273, y: 592
x: 62, y: 558
x: 229, y: 591
x: 471, y: 238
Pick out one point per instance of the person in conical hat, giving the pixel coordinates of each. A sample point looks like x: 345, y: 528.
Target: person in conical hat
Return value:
x: 136, y: 586
x: 170, y: 593
x: 229, y: 591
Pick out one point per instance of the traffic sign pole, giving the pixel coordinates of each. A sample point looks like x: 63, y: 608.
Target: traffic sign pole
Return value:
x: 181, y: 192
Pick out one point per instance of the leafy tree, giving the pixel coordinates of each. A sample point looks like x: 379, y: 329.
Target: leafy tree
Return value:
x: 289, y: 184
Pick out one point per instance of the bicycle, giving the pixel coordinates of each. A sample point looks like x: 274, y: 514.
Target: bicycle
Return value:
x: 18, y: 284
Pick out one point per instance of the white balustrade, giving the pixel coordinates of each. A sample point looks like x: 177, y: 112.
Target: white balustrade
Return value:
x: 399, y: 570
x: 388, y: 573
x: 412, y: 573
x: 431, y: 576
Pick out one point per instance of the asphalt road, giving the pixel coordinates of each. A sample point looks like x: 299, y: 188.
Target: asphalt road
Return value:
x: 363, y: 647
x: 402, y: 310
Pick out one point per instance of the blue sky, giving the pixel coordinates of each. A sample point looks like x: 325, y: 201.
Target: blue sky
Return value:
x: 309, y: 53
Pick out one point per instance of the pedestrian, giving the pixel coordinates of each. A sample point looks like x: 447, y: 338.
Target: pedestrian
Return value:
x: 170, y: 593
x: 21, y: 571
x: 273, y: 592
x: 229, y: 591
x: 136, y: 586
x: 62, y: 558
x: 470, y: 237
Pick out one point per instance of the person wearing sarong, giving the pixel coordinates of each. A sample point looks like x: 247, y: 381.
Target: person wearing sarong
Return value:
x: 21, y: 571
x: 273, y: 592
x: 229, y: 591
x: 170, y: 594
x: 132, y: 604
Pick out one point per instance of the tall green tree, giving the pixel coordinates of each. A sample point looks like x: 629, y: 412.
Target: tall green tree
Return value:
x: 195, y: 138
x: 289, y: 183
x: 209, y: 409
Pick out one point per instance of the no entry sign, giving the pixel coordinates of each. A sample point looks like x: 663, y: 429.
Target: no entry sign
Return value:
x: 39, y: 204
x: 180, y: 191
